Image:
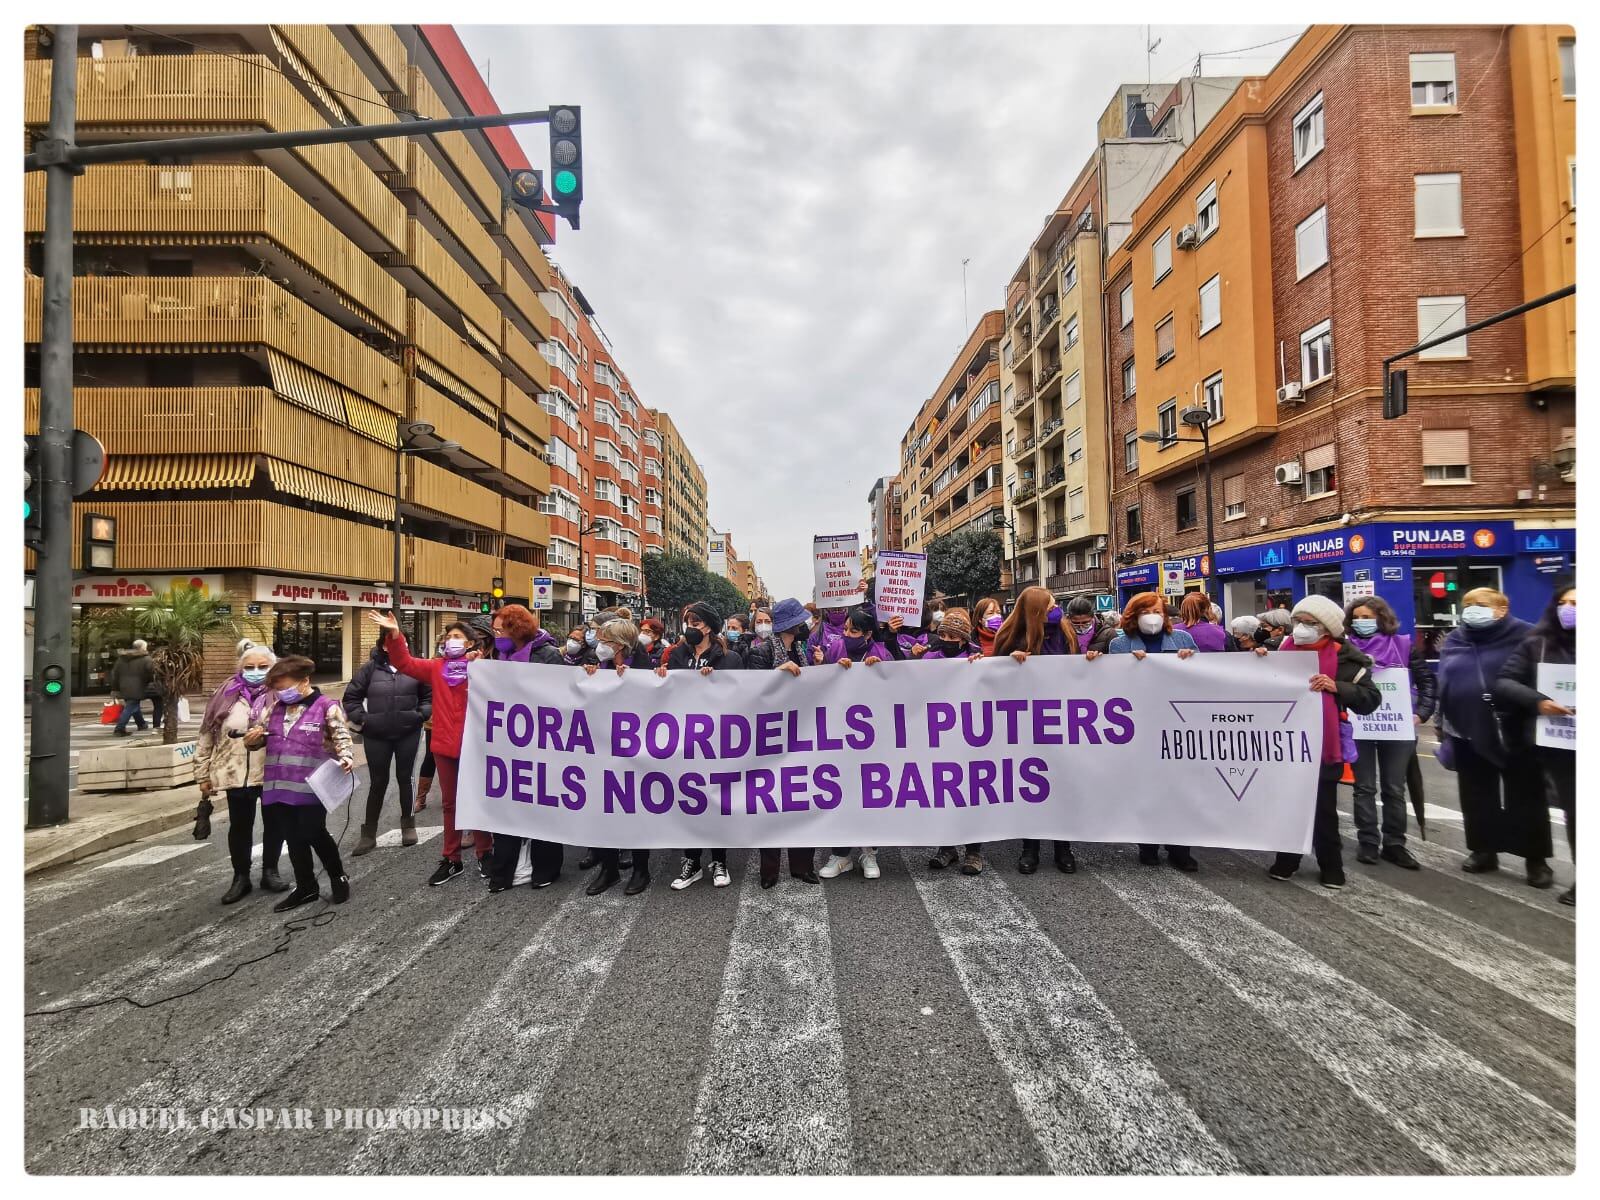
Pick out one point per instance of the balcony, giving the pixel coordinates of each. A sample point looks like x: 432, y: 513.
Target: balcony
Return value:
x: 452, y: 355
x: 1021, y: 343
x: 1053, y: 478
x: 457, y: 148
x: 527, y: 471
x: 1025, y: 491
x: 130, y: 313
x: 1094, y: 579
x: 1047, y: 318
x: 1021, y: 400
x: 1047, y: 376
x: 454, y: 423
x: 435, y: 267
x: 331, y: 65
x: 1027, y: 541
x: 522, y: 303
x: 525, y: 249
x: 1055, y: 531
x: 450, y: 211
x: 533, y: 371
x: 450, y: 496
x: 526, y: 524
x: 433, y: 564
x: 1051, y: 427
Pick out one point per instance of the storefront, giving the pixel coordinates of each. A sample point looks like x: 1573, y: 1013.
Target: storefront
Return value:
x: 321, y: 618
x: 103, y: 620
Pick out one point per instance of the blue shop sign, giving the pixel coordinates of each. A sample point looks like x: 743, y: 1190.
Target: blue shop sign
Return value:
x: 1451, y: 539
x: 1330, y: 545
x: 1144, y: 576
x: 1547, y: 541
x: 1263, y: 556
x: 1394, y: 574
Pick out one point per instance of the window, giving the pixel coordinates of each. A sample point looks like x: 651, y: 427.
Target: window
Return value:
x: 1446, y: 456
x: 1233, y: 497
x: 1075, y: 505
x: 1210, y: 304
x: 1311, y: 243
x: 1074, y: 445
x: 1206, y: 215
x: 1188, y: 510
x: 1011, y: 486
x: 1161, y: 256
x: 1130, y: 452
x: 1129, y: 380
x: 1134, y: 525
x: 1069, y: 334
x: 1213, y: 394
x: 1308, y: 132
x: 1069, y: 276
x: 1165, y: 347
x: 1127, y: 306
x: 1167, y: 423
x: 1567, y: 52
x: 1433, y: 80
x: 1011, y: 390
x: 1438, y: 206
x: 1072, y: 391
x: 1439, y: 315
x: 1321, y: 479
x: 1316, y: 354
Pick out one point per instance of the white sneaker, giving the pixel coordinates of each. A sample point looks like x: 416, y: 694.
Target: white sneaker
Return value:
x: 719, y: 875
x: 869, y: 864
x: 689, y: 873
x: 836, y: 865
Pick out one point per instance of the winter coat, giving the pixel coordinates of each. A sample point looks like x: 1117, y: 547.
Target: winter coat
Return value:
x: 769, y: 653
x: 1516, y: 691
x: 134, y: 676
x: 937, y: 654
x: 383, y: 703
x: 1403, y: 650
x: 740, y: 650
x: 449, y: 703
x: 1171, y: 643
x: 1470, y: 661
x: 223, y: 760
x: 1208, y: 637
x: 682, y: 658
x: 834, y: 648
x: 542, y: 648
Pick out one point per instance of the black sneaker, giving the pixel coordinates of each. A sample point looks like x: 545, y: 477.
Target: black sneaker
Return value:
x: 1150, y: 856
x: 1184, y: 862
x: 1400, y: 857
x: 1479, y: 862
x: 483, y: 868
x: 1368, y: 856
x: 1333, y: 877
x: 638, y: 883
x: 607, y: 877
x: 447, y: 870
x: 1569, y: 897
x: 689, y: 873
x: 496, y: 886
x: 340, y: 888
x: 1539, y: 873
x: 1282, y: 869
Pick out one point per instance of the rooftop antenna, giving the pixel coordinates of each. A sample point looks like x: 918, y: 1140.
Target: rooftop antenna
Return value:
x: 1149, y: 52
x: 964, y: 318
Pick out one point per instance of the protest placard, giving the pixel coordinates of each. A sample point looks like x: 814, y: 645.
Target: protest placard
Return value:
x: 898, y: 586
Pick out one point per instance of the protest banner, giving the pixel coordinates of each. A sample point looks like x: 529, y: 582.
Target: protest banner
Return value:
x: 1216, y: 750
x: 838, y: 570
x: 898, y: 586
x: 1392, y: 722
x: 1559, y: 681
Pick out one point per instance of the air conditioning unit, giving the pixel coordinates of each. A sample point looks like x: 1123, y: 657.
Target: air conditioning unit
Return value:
x: 1288, y: 472
x: 1188, y: 237
x: 549, y: 458
x: 1100, y: 542
x: 1291, y: 393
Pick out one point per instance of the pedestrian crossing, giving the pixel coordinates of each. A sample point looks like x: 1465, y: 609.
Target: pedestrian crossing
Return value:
x: 1416, y: 1022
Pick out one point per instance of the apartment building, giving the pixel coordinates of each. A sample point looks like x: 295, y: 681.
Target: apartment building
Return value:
x: 884, y: 503
x: 950, y: 455
x: 258, y: 337
x: 683, y: 491
x: 1378, y: 187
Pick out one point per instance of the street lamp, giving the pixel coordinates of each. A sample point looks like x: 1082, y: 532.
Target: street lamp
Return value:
x: 416, y: 437
x: 585, y: 527
x: 998, y: 519
x: 1198, y: 416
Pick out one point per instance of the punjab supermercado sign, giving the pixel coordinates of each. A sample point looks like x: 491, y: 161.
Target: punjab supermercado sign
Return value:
x: 1210, y: 751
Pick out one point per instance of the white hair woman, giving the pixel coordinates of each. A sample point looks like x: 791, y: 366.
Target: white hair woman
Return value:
x: 222, y: 764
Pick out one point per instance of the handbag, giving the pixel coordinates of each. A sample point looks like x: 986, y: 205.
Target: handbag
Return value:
x: 110, y: 713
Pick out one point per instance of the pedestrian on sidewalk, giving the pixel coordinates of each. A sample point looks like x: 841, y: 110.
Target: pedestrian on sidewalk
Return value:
x: 388, y: 709
x: 301, y: 729
x: 133, y: 680
x: 222, y: 763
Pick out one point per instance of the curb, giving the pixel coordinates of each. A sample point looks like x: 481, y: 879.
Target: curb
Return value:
x: 180, y: 813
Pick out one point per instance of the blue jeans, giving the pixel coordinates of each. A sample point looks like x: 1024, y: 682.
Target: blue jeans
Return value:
x: 131, y: 708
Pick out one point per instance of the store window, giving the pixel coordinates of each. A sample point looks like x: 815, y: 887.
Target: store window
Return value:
x: 317, y: 635
x: 1329, y: 584
x: 1437, y: 588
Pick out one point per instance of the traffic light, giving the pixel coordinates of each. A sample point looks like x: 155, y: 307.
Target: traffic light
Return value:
x: 32, y: 495
x: 53, y: 681
x: 1394, y: 399
x: 498, y: 588
x: 484, y: 607
x: 566, y: 159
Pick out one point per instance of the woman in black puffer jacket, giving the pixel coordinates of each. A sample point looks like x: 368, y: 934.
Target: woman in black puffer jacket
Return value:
x: 388, y: 709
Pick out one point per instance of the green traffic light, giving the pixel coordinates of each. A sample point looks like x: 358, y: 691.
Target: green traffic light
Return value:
x: 53, y: 688
x: 566, y: 182
x: 27, y: 510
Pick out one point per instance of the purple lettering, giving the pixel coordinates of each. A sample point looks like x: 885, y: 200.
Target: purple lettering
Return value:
x: 691, y: 786
x: 572, y: 778
x: 495, y: 777
x: 697, y: 731
x: 941, y: 719
x: 826, y: 779
x: 1080, y: 722
x: 625, y: 734
x: 1012, y: 709
x: 769, y: 734
x: 977, y: 726
x: 793, y: 782
x: 1036, y: 780
x: 875, y: 786
x: 983, y: 773
x: 1116, y: 713
x: 522, y: 781
x: 859, y: 718
x: 947, y: 782
x: 795, y: 743
x: 618, y: 787
x: 661, y: 783
x: 661, y: 735
x: 758, y: 787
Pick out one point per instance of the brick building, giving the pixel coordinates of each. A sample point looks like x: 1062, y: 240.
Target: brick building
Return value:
x: 1378, y: 186
x: 683, y: 491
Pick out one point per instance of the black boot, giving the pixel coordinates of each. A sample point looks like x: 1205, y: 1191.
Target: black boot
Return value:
x: 270, y: 880
x: 202, y: 820
x: 1480, y: 861
x: 1065, y: 863
x: 609, y: 875
x: 1539, y: 873
x: 238, y: 889
x: 589, y: 861
x: 637, y: 882
x: 1029, y: 862
x: 340, y: 887
x: 300, y: 895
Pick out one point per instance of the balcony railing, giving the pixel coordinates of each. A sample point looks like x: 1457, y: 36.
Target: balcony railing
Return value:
x: 1053, y: 478
x: 1021, y: 400
x: 1024, y: 493
x: 433, y: 564
x: 1027, y: 541
x: 1054, y: 530
x: 450, y: 495
x: 1021, y: 342
x: 1051, y: 428
x: 1052, y: 368
x: 424, y: 177
x: 451, y: 353
x: 1097, y: 578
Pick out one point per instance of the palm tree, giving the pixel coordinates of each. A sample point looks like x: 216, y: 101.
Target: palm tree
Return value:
x: 176, y: 624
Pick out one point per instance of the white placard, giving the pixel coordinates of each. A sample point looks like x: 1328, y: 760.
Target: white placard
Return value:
x: 542, y: 599
x: 899, y: 584
x: 1559, y: 681
x: 1214, y: 750
x: 332, y: 786
x: 1354, y: 589
x: 838, y: 569
x: 1172, y: 577
x: 1391, y: 722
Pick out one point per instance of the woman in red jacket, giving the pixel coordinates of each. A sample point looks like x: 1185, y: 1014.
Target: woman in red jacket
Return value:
x: 447, y: 677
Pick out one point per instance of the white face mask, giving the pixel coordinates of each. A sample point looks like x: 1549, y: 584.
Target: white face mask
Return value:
x: 764, y: 629
x: 645, y: 639
x: 1305, y: 634
x: 605, y: 651
x: 1478, y: 615
x: 1151, y: 623
x: 573, y: 647
x: 811, y: 622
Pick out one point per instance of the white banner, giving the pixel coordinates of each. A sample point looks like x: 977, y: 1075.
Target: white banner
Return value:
x: 838, y: 570
x: 1215, y: 750
x: 1559, y: 681
x: 898, y: 585
x: 1392, y: 722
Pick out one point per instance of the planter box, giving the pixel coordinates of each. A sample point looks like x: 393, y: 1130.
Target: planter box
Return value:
x: 136, y: 768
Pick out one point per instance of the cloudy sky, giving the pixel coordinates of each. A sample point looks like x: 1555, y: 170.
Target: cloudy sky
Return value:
x: 775, y: 217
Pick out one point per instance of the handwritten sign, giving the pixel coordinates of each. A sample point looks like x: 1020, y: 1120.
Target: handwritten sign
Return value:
x: 1559, y: 681
x: 1391, y: 722
x: 838, y: 569
x: 900, y: 581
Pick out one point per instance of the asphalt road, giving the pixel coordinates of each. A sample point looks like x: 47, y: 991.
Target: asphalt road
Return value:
x: 1120, y: 1020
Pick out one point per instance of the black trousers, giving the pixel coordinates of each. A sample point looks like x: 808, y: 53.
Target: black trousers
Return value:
x: 1325, y: 825
x: 1505, y: 809
x: 545, y: 858
x: 242, y: 830
x: 1033, y: 844
x: 609, y: 857
x: 306, y: 828
x: 801, y: 860
x: 693, y: 856
x: 1180, y: 851
x: 1561, y: 770
x: 381, y: 751
x: 426, y: 771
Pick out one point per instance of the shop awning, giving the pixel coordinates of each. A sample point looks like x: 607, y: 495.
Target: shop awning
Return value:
x: 303, y: 386
x: 151, y: 472
x: 372, y: 419
x: 294, y: 480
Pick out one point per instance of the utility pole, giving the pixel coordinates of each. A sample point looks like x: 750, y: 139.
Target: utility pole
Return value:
x: 49, y: 762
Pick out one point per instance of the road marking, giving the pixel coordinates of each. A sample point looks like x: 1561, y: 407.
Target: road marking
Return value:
x: 1096, y: 1104
x: 1539, y: 980
x: 503, y: 1056
x: 1438, y: 812
x: 149, y: 856
x: 1464, y: 1115
x: 773, y: 1099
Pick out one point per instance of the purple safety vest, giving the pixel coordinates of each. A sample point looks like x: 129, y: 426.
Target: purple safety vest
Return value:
x: 292, y: 756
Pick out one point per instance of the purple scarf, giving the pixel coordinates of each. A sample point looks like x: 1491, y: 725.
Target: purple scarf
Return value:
x: 222, y: 700
x: 455, y: 671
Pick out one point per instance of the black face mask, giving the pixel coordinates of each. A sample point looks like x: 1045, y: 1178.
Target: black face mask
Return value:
x: 951, y: 649
x: 693, y: 636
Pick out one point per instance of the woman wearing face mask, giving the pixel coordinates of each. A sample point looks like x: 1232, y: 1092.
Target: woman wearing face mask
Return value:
x: 701, y: 649
x: 1553, y: 640
x: 734, y: 636
x: 858, y: 641
x: 617, y: 648
x: 1244, y: 633
x: 1195, y: 612
x: 1344, y: 679
x: 223, y: 764
x: 388, y: 709
x: 576, y: 651
x: 300, y: 728
x: 651, y: 645
x: 447, y: 680
x: 1375, y: 631
x: 780, y: 645
x: 986, y: 622
x: 1146, y: 629
x: 1091, y: 632
x: 1503, y: 807
x: 1275, y: 624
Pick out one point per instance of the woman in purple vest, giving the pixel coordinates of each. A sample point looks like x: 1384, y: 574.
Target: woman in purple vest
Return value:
x: 1209, y: 637
x: 1375, y: 631
x: 301, y: 729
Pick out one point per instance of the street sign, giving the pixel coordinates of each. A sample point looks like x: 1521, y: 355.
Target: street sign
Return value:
x: 1105, y: 604
x: 252, y: 610
x: 1172, y: 575
x: 1362, y: 574
x: 1394, y: 574
x: 542, y: 599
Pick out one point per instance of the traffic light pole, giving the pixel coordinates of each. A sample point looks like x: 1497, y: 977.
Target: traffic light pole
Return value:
x: 48, y: 758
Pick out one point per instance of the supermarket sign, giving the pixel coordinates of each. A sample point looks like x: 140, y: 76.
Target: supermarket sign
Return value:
x: 1464, y: 537
x: 284, y: 589
x: 138, y: 589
